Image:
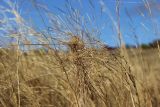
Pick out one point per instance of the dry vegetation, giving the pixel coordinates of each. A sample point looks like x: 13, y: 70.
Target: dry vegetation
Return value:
x: 74, y: 72
x: 83, y: 77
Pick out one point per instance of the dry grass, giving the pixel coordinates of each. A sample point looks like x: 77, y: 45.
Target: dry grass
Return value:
x: 85, y: 78
x: 73, y: 69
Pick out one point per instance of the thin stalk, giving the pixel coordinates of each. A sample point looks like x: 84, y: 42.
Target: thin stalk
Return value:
x: 17, y: 73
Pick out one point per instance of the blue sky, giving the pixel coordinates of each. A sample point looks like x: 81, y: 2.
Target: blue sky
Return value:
x: 130, y: 17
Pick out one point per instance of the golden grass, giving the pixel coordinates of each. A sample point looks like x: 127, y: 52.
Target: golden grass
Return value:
x: 83, y: 78
x: 77, y: 73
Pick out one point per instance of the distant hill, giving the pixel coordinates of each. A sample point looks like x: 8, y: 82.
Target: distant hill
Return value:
x: 153, y: 44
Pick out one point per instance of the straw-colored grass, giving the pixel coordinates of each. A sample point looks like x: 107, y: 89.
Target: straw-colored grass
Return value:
x: 65, y: 65
x: 83, y: 78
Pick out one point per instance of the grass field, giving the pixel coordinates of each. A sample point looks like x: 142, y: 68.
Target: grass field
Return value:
x: 59, y: 60
x: 93, y: 78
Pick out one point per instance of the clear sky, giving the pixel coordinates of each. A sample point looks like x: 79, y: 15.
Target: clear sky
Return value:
x: 134, y: 17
